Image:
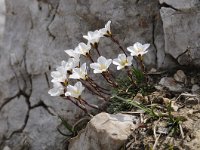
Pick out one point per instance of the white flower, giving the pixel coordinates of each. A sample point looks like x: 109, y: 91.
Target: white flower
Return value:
x: 70, y: 64
x: 106, y: 31
x: 75, y: 91
x: 101, y: 65
x: 60, y: 75
x: 93, y: 37
x: 83, y: 49
x: 79, y: 73
x: 138, y: 49
x: 72, y: 54
x: 122, y: 61
x: 57, y: 89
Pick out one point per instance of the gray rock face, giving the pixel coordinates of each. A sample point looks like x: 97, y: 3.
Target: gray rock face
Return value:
x: 2, y: 19
x: 181, y: 4
x: 37, y: 32
x: 10, y: 112
x: 181, y: 21
x: 105, y: 132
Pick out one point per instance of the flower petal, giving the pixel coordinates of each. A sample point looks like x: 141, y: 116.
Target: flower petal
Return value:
x: 146, y: 46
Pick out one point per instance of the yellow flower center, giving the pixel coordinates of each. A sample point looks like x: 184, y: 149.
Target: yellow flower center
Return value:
x: 76, y: 92
x: 102, y: 67
x: 139, y: 50
x: 124, y: 63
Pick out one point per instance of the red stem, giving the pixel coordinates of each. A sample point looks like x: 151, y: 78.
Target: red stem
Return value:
x: 117, y: 42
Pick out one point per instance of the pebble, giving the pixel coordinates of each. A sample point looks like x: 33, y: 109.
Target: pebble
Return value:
x: 195, y: 88
x: 180, y: 76
x: 6, y: 148
x: 171, y: 84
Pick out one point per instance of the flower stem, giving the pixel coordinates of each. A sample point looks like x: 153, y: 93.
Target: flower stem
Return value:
x: 92, y: 81
x: 77, y: 104
x: 117, y: 42
x: 96, y: 91
x: 130, y: 76
x: 97, y: 49
x: 89, y: 56
x: 97, y: 87
x: 106, y: 76
x: 95, y: 46
x: 142, y: 67
x: 88, y: 104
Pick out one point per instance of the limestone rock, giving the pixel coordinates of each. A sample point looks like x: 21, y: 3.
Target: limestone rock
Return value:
x: 43, y: 126
x: 171, y: 84
x: 180, y: 76
x: 195, y: 89
x: 181, y: 20
x: 13, y: 116
x: 2, y: 19
x: 6, y: 148
x: 181, y: 4
x: 105, y: 132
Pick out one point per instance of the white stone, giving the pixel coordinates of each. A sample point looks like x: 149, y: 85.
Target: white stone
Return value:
x: 104, y: 132
x: 171, y: 84
x: 195, y: 88
x: 6, y: 148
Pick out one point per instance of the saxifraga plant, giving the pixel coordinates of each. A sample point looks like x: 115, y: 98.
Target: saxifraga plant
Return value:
x: 74, y: 69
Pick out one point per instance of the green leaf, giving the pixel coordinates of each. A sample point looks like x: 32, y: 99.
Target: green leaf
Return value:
x: 66, y: 124
x: 138, y: 75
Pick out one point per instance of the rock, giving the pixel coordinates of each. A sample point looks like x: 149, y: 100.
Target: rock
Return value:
x: 194, y: 143
x: 181, y: 4
x: 171, y: 84
x: 180, y: 76
x: 192, y: 101
x: 13, y: 116
x: 6, y: 148
x: 43, y: 125
x: 104, y: 132
x: 173, y: 103
x: 2, y: 19
x: 195, y: 89
x: 180, y: 21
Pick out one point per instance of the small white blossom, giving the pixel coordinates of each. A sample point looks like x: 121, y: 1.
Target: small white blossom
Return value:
x: 138, y: 49
x: 122, y: 61
x: 83, y: 49
x: 79, y: 73
x: 93, y: 37
x: 60, y: 75
x: 57, y: 89
x: 72, y: 54
x: 75, y: 91
x: 71, y: 63
x: 106, y: 31
x: 101, y: 65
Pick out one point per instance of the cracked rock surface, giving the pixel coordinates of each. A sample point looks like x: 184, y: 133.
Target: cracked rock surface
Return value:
x: 181, y: 21
x: 37, y: 32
